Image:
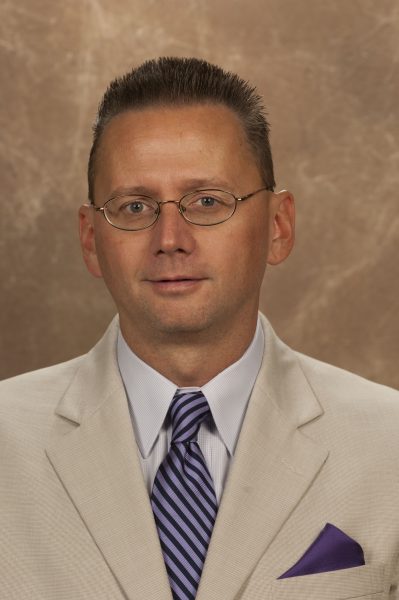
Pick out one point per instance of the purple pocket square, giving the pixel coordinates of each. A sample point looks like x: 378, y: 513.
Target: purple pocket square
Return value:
x: 332, y: 550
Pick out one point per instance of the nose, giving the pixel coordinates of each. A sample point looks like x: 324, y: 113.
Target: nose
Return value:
x: 172, y: 233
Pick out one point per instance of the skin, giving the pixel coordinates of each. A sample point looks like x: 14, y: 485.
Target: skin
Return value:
x: 187, y: 296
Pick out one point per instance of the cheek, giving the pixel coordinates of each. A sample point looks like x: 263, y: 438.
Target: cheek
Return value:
x: 115, y: 256
x: 245, y: 255
x: 255, y: 242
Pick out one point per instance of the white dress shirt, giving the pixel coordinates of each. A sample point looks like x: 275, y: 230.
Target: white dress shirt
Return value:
x: 150, y: 394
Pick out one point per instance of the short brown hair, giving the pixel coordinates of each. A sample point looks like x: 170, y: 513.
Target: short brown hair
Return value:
x: 184, y: 81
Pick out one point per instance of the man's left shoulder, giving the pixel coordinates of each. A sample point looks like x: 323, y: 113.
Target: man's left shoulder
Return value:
x: 359, y: 423
x: 338, y: 389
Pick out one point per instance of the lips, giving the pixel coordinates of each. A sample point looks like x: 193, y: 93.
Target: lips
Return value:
x: 175, y: 284
x: 174, y: 278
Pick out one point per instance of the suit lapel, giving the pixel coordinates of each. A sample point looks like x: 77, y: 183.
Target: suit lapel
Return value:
x: 273, y: 466
x: 95, y: 456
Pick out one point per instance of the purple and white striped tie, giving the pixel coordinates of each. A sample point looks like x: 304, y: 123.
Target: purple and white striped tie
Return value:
x: 183, y: 497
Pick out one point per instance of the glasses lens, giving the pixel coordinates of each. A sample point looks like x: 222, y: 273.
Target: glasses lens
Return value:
x: 208, y: 207
x: 131, y: 212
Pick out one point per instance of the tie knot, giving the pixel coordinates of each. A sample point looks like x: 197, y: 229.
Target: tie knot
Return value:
x: 187, y: 411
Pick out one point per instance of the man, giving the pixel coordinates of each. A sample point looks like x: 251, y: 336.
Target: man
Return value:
x: 191, y: 454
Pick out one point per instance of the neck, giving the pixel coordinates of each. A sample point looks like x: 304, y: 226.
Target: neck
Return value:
x: 191, y: 359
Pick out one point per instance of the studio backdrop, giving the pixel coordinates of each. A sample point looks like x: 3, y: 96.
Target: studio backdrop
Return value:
x: 329, y: 73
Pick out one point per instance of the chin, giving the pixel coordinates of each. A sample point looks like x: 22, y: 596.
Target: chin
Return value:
x: 180, y: 326
x: 185, y: 323
x: 163, y: 319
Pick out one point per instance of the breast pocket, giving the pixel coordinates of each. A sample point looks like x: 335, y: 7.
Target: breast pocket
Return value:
x: 366, y: 582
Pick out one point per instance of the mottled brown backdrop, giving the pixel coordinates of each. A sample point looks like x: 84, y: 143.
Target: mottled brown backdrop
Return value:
x: 329, y: 72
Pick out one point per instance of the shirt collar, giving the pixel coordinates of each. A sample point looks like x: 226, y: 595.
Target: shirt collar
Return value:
x: 228, y: 393
x: 150, y: 393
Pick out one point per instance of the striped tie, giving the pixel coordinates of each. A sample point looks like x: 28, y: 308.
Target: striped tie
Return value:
x: 183, y: 497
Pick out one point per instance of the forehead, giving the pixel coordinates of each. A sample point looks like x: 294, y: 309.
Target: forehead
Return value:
x: 165, y: 143
x: 208, y: 120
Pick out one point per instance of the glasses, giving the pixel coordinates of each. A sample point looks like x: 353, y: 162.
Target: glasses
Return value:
x: 201, y: 207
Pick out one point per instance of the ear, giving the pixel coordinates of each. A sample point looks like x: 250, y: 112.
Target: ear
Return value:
x: 282, y: 227
x: 87, y: 239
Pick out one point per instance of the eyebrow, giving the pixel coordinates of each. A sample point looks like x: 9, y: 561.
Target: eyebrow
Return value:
x: 186, y: 187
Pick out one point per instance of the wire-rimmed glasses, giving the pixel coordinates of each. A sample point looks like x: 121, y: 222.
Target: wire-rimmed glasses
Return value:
x: 203, y: 207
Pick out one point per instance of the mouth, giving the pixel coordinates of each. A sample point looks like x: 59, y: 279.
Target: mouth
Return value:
x: 178, y: 277
x: 172, y: 279
x: 175, y: 283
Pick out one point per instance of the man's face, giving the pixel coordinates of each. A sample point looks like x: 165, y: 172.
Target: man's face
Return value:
x: 176, y: 278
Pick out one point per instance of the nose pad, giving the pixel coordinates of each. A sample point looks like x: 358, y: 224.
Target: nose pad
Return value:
x: 180, y: 209
x: 172, y: 231
x: 176, y: 202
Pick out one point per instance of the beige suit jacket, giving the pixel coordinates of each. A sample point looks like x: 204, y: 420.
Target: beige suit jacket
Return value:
x: 317, y: 445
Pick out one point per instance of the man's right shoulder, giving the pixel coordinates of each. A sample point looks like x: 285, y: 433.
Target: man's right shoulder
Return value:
x: 41, y: 390
x: 37, y: 390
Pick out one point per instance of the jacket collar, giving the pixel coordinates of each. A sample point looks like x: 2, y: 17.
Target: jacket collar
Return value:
x: 274, y: 465
x: 94, y: 453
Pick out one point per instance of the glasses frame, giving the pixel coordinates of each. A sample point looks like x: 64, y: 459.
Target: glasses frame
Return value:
x: 179, y: 206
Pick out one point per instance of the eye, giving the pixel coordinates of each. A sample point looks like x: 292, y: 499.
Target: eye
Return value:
x: 207, y: 201
x: 135, y: 208
x: 202, y: 206
x: 204, y: 201
x: 131, y: 207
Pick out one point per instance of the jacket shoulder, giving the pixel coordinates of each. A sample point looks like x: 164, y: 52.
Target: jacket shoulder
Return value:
x: 48, y: 385
x: 336, y: 387
x: 37, y: 391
